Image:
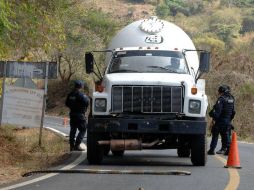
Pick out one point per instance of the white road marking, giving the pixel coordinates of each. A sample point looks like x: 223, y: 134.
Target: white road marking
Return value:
x: 244, y: 142
x: 80, y: 159
x: 54, y: 130
x: 52, y: 123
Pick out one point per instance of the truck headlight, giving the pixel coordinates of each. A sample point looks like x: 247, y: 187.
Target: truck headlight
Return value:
x: 195, y: 106
x: 100, y: 104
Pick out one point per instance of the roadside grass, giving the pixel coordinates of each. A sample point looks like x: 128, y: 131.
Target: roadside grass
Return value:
x: 20, y: 152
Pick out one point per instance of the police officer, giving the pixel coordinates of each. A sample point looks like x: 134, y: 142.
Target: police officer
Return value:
x: 222, y: 113
x: 78, y: 103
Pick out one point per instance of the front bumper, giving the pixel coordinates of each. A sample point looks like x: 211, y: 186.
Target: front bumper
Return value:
x: 126, y: 125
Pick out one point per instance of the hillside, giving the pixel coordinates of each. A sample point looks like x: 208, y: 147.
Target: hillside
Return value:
x: 62, y: 30
x: 123, y: 10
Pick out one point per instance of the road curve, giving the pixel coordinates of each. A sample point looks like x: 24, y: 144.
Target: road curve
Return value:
x: 212, y: 176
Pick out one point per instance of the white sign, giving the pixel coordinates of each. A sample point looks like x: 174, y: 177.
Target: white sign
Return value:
x: 15, y: 69
x: 22, y: 106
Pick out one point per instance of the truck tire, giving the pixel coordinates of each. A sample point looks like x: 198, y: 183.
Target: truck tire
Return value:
x: 183, y: 152
x: 94, y: 151
x: 198, y: 150
x: 118, y: 153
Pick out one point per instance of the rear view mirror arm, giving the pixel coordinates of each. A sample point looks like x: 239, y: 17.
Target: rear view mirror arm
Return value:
x: 199, y: 73
x: 99, y: 75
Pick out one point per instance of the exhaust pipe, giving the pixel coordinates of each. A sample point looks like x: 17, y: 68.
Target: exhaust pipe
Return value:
x: 127, y: 144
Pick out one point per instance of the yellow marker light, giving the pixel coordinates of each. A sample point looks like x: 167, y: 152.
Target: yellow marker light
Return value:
x: 99, y: 87
x: 194, y: 90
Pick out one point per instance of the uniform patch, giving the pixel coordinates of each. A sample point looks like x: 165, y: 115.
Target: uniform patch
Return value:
x: 72, y: 98
x: 230, y: 101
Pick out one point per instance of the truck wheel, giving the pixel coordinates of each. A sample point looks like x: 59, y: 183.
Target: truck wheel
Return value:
x: 94, y: 151
x: 198, y: 150
x: 183, y: 152
x: 118, y: 153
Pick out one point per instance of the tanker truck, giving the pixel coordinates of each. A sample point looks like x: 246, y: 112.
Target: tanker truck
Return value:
x: 150, y: 95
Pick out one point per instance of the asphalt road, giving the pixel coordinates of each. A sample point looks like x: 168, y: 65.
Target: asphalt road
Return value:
x: 211, y: 177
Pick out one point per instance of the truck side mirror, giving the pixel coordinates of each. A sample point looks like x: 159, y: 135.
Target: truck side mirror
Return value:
x: 204, y: 61
x: 89, y: 59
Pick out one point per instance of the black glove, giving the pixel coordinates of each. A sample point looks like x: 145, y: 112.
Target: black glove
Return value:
x: 211, y: 113
x: 232, y: 127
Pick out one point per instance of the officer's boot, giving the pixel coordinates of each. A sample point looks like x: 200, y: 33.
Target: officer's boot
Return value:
x: 226, y: 152
x: 77, y: 147
x: 210, y: 152
x: 72, y: 147
x: 221, y: 151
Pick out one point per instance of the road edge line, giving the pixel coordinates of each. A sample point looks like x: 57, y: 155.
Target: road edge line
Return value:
x: 56, y: 131
x: 76, y: 162
x: 234, y: 177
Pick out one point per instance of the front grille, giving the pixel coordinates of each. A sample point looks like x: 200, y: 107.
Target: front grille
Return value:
x: 147, y: 99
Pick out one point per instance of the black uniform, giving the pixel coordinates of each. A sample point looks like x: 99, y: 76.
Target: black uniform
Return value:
x: 222, y: 113
x: 78, y: 103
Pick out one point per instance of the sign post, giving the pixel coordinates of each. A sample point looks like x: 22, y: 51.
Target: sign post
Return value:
x: 44, y: 102
x: 3, y: 89
x: 20, y: 101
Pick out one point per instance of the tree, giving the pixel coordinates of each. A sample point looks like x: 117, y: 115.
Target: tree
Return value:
x: 176, y: 6
x: 186, y: 7
x: 81, y: 31
x: 5, y: 26
x: 162, y: 10
x: 57, y: 30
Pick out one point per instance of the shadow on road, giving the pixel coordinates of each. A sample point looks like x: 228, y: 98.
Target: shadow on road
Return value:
x: 146, y: 159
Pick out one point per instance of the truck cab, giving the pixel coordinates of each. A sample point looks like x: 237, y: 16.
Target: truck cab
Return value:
x: 151, y: 95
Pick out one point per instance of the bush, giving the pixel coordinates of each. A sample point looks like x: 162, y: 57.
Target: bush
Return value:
x: 237, y: 3
x: 187, y: 8
x: 162, y: 11
x: 247, y: 24
x: 248, y: 89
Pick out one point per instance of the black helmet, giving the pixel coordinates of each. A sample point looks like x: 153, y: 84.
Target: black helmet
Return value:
x: 78, y: 84
x: 224, y: 89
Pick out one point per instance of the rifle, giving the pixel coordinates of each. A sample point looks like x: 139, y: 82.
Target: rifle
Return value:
x: 212, y: 123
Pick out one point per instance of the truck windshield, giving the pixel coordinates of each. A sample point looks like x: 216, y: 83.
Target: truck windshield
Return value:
x: 145, y: 61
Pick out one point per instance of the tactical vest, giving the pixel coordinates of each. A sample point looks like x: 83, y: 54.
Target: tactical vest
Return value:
x: 75, y: 103
x: 228, y: 107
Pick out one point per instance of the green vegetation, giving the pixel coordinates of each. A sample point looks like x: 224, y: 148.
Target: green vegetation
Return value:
x: 56, y: 30
x: 248, y: 89
x: 62, y: 30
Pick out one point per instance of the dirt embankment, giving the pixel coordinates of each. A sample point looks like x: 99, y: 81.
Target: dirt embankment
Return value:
x: 20, y: 152
x: 123, y: 10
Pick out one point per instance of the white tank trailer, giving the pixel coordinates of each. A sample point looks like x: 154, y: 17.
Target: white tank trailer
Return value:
x: 151, y: 95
